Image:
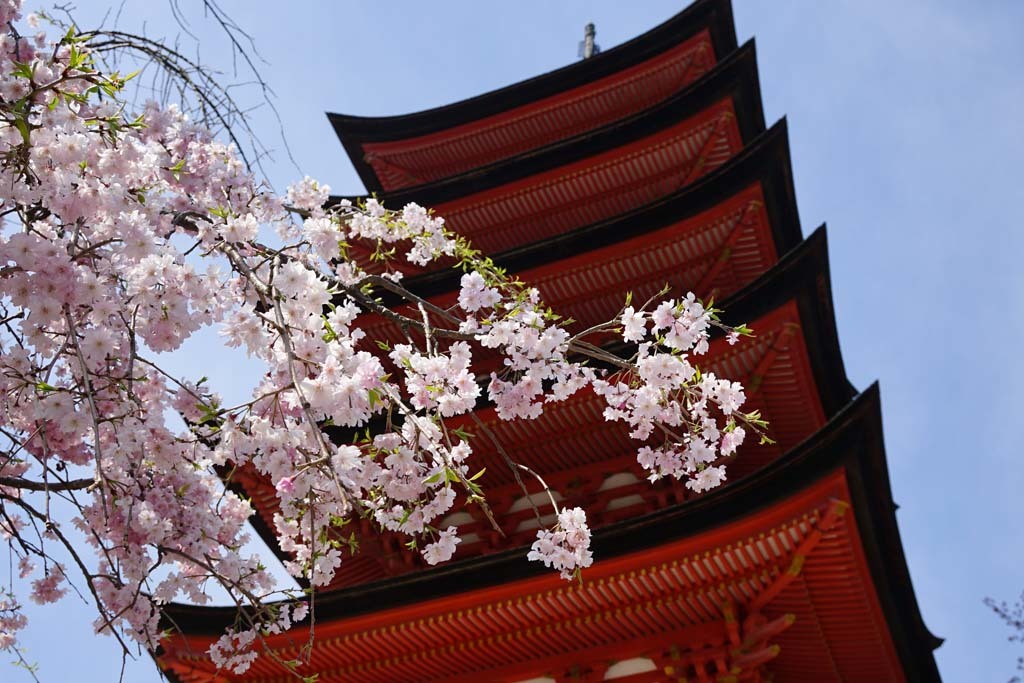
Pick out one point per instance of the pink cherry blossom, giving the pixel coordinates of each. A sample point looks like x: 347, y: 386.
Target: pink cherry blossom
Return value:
x: 126, y: 234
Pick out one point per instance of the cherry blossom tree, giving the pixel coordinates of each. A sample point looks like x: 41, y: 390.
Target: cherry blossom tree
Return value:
x: 124, y: 233
x: 1013, y: 616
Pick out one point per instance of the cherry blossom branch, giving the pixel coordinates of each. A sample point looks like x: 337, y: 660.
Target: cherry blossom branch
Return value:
x: 28, y: 485
x: 285, y: 337
x: 76, y: 558
x: 544, y: 485
x: 93, y: 410
x: 512, y: 465
x: 404, y: 293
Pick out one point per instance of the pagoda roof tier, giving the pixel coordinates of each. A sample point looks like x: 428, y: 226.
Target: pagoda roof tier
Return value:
x: 773, y: 217
x: 595, y: 177
x: 711, y: 251
x: 393, y: 152
x: 793, y: 372
x: 693, y: 110
x: 711, y: 242
x: 795, y: 573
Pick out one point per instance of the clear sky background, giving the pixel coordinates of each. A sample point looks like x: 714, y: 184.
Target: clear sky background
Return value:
x: 906, y: 137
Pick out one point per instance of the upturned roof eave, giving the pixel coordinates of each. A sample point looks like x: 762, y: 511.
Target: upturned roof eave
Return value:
x: 355, y: 131
x: 734, y: 77
x: 714, y: 15
x: 766, y: 159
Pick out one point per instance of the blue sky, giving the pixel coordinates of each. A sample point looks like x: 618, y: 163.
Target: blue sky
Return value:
x: 906, y: 136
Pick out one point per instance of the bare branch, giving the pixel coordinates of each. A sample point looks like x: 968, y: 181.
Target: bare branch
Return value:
x: 28, y: 485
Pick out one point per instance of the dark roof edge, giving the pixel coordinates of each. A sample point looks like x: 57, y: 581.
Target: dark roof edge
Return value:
x: 875, y: 510
x: 766, y: 159
x: 716, y: 15
x: 801, y: 274
x: 734, y: 77
x: 353, y: 131
x: 852, y: 439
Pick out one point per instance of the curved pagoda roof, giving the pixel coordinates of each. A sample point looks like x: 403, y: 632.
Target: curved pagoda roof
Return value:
x: 795, y: 572
x: 394, y: 152
x: 712, y: 237
x: 602, y: 174
x: 732, y: 85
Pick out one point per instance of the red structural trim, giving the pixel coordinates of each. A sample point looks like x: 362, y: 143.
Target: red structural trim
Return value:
x: 847, y: 450
x: 734, y: 78
x: 765, y: 160
x: 713, y: 254
x: 714, y: 16
x: 646, y: 593
x: 802, y: 273
x: 800, y: 277
x: 427, y: 158
x: 594, y: 188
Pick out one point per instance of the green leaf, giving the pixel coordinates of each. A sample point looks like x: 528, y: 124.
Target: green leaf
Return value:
x: 329, y: 335
x: 75, y: 57
x: 22, y: 70
x: 23, y: 129
x: 462, y: 433
x: 178, y: 169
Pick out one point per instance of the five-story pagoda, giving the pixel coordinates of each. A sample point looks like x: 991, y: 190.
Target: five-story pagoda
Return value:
x: 647, y: 164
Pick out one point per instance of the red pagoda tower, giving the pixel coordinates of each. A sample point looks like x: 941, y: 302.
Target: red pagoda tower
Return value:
x: 647, y: 164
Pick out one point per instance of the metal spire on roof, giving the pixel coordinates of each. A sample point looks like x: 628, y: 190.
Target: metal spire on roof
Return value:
x: 588, y: 48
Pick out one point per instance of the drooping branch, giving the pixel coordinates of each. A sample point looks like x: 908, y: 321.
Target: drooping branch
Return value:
x: 188, y: 83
